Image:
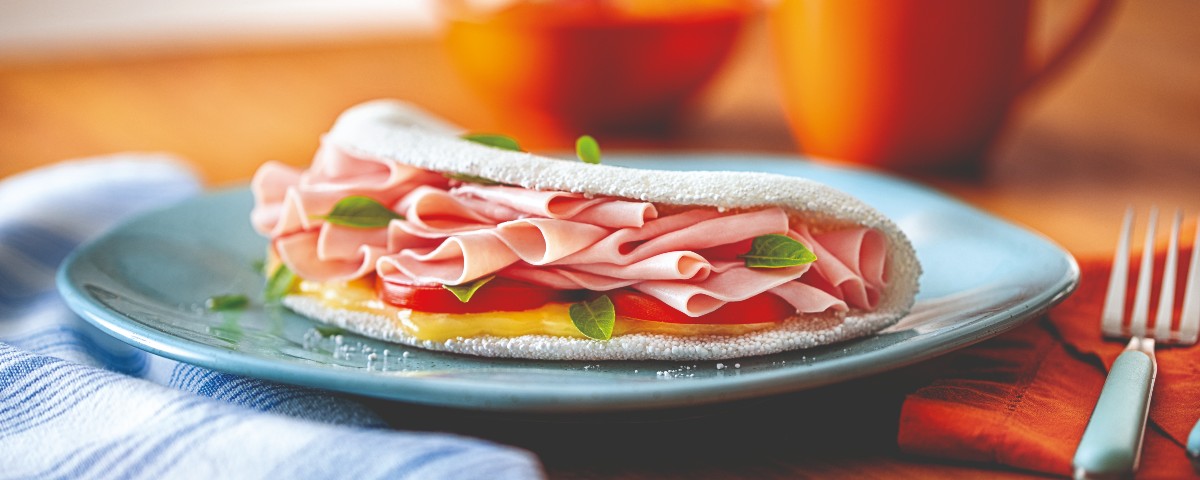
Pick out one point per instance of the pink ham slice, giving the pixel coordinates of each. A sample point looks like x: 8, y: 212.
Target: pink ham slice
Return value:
x: 691, y: 230
x: 335, y: 169
x: 269, y: 186
x: 842, y: 259
x: 433, y: 210
x: 862, y: 251
x: 467, y: 256
x: 604, y: 212
x: 459, y: 259
x: 494, y: 212
x: 343, y: 243
x: 566, y: 278
x: 557, y: 239
x: 541, y: 241
x: 289, y: 201
x: 675, y: 265
x: 300, y: 252
x: 809, y: 299
x: 731, y: 285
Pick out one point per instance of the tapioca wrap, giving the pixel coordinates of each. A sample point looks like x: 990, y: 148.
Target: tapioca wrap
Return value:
x: 403, y: 230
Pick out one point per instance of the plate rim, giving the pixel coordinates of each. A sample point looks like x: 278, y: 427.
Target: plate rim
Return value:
x: 562, y: 398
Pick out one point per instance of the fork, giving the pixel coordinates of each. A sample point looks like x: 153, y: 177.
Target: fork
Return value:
x: 1112, y: 442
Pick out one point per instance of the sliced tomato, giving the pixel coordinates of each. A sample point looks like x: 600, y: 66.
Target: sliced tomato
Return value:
x: 761, y: 308
x: 500, y: 294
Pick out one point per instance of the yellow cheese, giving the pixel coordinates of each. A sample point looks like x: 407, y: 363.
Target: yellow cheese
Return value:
x: 550, y: 319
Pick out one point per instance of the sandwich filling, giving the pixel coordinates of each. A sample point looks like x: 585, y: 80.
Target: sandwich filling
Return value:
x: 524, y: 256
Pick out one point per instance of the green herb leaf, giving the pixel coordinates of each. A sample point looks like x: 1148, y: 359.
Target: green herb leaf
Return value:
x: 777, y: 251
x: 588, y: 150
x: 465, y: 291
x: 361, y: 212
x: 280, y: 283
x: 226, y: 302
x: 259, y: 265
x: 329, y: 330
x: 493, y: 140
x: 468, y: 178
x: 595, y: 319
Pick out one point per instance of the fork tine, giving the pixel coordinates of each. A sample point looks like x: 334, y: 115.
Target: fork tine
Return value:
x: 1141, y: 300
x: 1189, y: 321
x: 1166, y: 295
x: 1114, y: 299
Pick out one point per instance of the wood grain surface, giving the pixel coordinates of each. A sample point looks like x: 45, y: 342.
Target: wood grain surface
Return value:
x: 1121, y: 127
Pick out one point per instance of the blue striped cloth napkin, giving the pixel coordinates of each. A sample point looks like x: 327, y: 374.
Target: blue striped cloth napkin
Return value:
x: 75, y: 403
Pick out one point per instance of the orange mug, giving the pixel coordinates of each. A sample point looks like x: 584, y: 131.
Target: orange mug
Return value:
x: 909, y: 84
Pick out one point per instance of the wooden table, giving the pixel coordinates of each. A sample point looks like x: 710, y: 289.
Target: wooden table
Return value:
x: 1122, y: 127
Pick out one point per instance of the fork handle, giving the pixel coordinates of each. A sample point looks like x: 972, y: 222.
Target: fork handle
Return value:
x: 1112, y: 443
x: 1193, y: 447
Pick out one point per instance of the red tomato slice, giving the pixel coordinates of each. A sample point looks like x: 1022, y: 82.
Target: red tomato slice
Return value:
x: 761, y: 308
x: 500, y: 294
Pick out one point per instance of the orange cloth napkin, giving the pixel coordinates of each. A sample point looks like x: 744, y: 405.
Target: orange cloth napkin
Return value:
x: 1024, y: 398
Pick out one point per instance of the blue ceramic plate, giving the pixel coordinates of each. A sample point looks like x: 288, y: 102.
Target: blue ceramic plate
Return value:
x: 146, y: 283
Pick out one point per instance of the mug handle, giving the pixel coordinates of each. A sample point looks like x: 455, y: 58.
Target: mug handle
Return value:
x: 1084, y: 31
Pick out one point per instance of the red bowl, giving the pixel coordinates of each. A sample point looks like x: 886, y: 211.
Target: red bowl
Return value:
x: 563, y: 68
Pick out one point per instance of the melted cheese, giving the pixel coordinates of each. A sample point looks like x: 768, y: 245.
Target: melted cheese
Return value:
x: 551, y: 319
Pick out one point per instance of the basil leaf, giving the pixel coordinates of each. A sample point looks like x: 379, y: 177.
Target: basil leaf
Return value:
x: 777, y: 251
x: 465, y: 291
x: 588, y: 150
x: 493, y: 140
x: 361, y: 212
x: 226, y: 302
x: 279, y: 284
x: 595, y: 319
x: 468, y: 178
x: 329, y: 330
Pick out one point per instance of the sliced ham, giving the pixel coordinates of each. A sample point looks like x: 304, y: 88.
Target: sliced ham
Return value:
x: 482, y: 252
x: 495, y: 212
x: 344, y: 243
x: 806, y: 298
x: 855, y: 248
x: 272, y: 180
x: 604, y: 212
x: 861, y: 249
x: 676, y: 265
x: 334, y: 169
x: 541, y: 241
x: 566, y: 278
x: 560, y: 240
x: 287, y: 202
x: 691, y: 230
x: 436, y: 212
x: 300, y: 253
x: 731, y: 285
x: 459, y: 259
